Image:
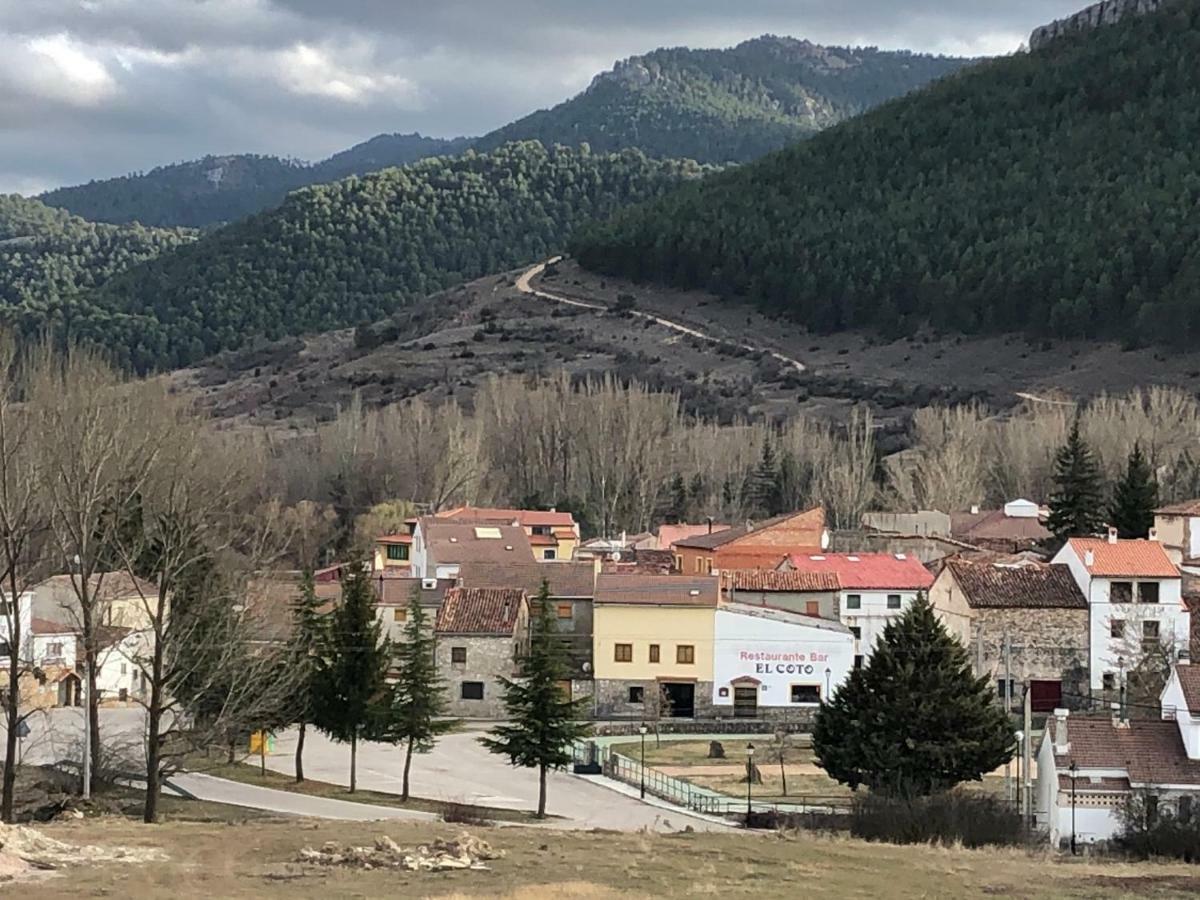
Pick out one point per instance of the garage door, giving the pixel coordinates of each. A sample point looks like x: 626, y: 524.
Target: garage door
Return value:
x: 1045, y: 696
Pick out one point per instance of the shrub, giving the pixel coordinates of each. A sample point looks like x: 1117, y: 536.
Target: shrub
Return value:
x: 1149, y: 830
x: 952, y: 817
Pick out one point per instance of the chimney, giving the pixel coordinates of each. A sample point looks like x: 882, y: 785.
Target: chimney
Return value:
x: 1062, y: 744
x: 825, y: 539
x: 1153, y: 535
x: 1183, y: 657
x: 710, y: 523
x: 1112, y: 535
x: 974, y: 509
x: 1119, y: 719
x: 1089, y: 558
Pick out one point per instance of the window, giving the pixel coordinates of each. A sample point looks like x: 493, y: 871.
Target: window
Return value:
x: 812, y: 608
x: 854, y: 601
x: 54, y: 651
x: 637, y: 694
x: 708, y: 566
x: 1110, y: 681
x: 3, y: 648
x: 399, y: 615
x: 549, y: 553
x: 685, y: 654
x: 654, y: 653
x: 856, y: 631
x: 1184, y: 809
x: 458, y: 655
x: 397, y: 551
x: 487, y: 533
x: 806, y: 693
x: 124, y: 668
x: 699, y: 566
x: 1150, y: 632
x: 1148, y: 591
x: 564, y: 611
x: 1151, y: 809
x: 1116, y: 628
x: 858, y: 662
x: 541, y: 529
x: 1122, y: 592
x: 472, y: 690
x: 622, y: 652
x: 893, y: 601
x: 678, y: 563
x: 5, y: 609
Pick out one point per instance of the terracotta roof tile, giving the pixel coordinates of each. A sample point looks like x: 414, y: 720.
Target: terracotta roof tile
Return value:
x: 658, y: 590
x: 672, y: 534
x: 450, y: 542
x: 866, y: 571
x: 1183, y: 508
x: 1189, y: 680
x: 790, y: 581
x: 1146, y: 559
x: 989, y: 586
x: 527, y: 517
x: 1150, y: 750
x: 45, y: 626
x: 394, y: 539
x: 566, y: 579
x: 398, y: 591
x: 729, y: 535
x: 480, y: 611
x: 995, y: 525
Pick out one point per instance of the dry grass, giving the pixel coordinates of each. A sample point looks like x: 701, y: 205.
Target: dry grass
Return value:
x: 257, y: 860
x: 695, y: 753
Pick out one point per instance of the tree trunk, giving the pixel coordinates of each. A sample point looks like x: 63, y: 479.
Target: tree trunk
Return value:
x: 407, y: 765
x: 153, y: 741
x: 783, y: 776
x: 12, y: 711
x: 232, y: 757
x: 541, y: 811
x: 354, y: 762
x: 300, y: 753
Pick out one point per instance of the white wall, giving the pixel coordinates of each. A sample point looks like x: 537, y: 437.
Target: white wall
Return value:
x: 41, y: 650
x: 25, y: 622
x: 1188, y: 721
x: 1091, y: 823
x: 118, y: 668
x: 873, y: 616
x: 417, y: 556
x: 778, y: 654
x: 1193, y: 536
x: 1172, y: 616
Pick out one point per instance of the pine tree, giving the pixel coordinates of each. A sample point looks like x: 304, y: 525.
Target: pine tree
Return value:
x: 678, y: 510
x: 764, y: 482
x: 350, y: 691
x: 1135, y: 498
x: 417, y: 698
x: 1076, y: 506
x: 913, y: 720
x: 542, y: 722
x: 305, y: 647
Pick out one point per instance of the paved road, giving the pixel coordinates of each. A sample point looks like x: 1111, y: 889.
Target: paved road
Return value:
x: 523, y: 285
x: 460, y: 769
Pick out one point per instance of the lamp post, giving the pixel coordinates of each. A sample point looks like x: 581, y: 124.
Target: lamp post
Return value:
x: 642, y: 732
x: 828, y: 673
x: 1073, y: 769
x: 1121, y: 666
x: 749, y: 779
x: 1020, y: 736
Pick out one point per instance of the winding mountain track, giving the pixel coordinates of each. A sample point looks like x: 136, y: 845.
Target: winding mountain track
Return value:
x: 524, y: 287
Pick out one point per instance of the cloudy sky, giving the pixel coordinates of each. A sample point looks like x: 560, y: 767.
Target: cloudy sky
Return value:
x: 95, y: 88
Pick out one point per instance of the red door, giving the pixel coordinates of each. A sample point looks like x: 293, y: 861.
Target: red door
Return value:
x: 1045, y: 696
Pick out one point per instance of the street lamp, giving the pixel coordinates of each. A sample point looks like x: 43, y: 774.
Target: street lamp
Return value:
x: 642, y: 732
x: 1020, y: 736
x: 1073, y: 770
x: 828, y: 672
x: 1121, y: 666
x: 749, y: 779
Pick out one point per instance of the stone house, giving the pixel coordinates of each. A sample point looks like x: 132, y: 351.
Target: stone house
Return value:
x: 754, y: 545
x: 393, y: 599
x: 1035, y: 610
x: 481, y: 634
x: 805, y: 593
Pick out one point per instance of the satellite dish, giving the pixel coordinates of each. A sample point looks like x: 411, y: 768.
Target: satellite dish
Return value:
x: 617, y: 556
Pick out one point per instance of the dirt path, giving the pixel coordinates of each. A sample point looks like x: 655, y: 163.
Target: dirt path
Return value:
x: 523, y: 285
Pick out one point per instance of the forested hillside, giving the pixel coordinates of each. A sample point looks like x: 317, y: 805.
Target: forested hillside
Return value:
x: 352, y: 251
x: 726, y: 105
x: 218, y: 189
x: 1054, y: 192
x: 51, y: 262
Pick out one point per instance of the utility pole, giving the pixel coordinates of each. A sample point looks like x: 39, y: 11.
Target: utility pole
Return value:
x: 979, y: 651
x: 1028, y: 729
x: 1008, y: 782
x: 87, y: 729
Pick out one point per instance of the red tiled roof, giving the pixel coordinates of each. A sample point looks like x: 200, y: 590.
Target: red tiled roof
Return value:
x: 671, y: 534
x: 542, y: 540
x: 567, y: 579
x: 789, y: 581
x: 1189, y: 680
x: 867, y: 570
x: 1136, y: 558
x: 450, y: 542
x: 394, y: 539
x: 1097, y: 786
x: 1150, y: 750
x: 658, y: 590
x: 1017, y: 587
x: 814, y: 518
x: 1183, y: 508
x: 480, y: 611
x: 1192, y: 602
x: 527, y: 517
x: 45, y: 626
x: 995, y: 525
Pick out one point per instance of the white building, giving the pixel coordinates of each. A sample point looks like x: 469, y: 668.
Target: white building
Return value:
x: 120, y: 665
x: 1089, y: 765
x: 1134, y: 595
x: 1178, y: 527
x: 874, y: 588
x: 764, y: 657
x: 440, y: 547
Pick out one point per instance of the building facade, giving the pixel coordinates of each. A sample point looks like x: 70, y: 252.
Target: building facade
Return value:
x: 1177, y: 527
x: 754, y: 545
x: 481, y: 635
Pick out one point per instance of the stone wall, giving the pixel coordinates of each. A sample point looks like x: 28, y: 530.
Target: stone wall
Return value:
x: 611, y: 701
x: 488, y: 658
x: 1108, y: 12
x: 1047, y: 645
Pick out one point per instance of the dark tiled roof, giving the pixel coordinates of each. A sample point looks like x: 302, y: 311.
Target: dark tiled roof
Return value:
x: 995, y: 525
x: 1189, y: 680
x: 450, y: 542
x: 45, y: 626
x: 480, y: 611
x: 792, y: 582
x: 527, y: 517
x: 642, y: 562
x: 1150, y: 750
x: 658, y: 590
x: 399, y: 591
x: 566, y: 579
x: 1017, y: 587
x: 1183, y: 508
x: 721, y: 538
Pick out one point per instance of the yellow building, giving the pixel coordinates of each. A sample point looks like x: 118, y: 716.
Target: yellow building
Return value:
x: 393, y: 554
x: 652, y: 645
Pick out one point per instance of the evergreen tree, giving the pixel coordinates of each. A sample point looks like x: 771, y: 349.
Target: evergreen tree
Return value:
x: 764, y: 483
x: 305, y: 648
x: 350, y: 691
x: 542, y: 722
x: 678, y: 510
x: 417, y: 698
x: 1135, y: 498
x: 913, y: 720
x: 1076, y: 506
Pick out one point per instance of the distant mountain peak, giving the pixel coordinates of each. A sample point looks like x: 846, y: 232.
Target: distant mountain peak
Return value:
x: 1106, y: 12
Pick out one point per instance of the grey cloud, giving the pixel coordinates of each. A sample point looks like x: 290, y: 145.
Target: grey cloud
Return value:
x: 94, y: 88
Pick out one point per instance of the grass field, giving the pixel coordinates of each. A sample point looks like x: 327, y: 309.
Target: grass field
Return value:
x: 257, y: 860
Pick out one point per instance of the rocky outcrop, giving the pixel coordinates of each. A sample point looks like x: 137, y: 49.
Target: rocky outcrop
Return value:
x: 1107, y: 12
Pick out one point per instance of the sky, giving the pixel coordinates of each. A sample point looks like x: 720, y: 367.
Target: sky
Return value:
x: 97, y: 88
